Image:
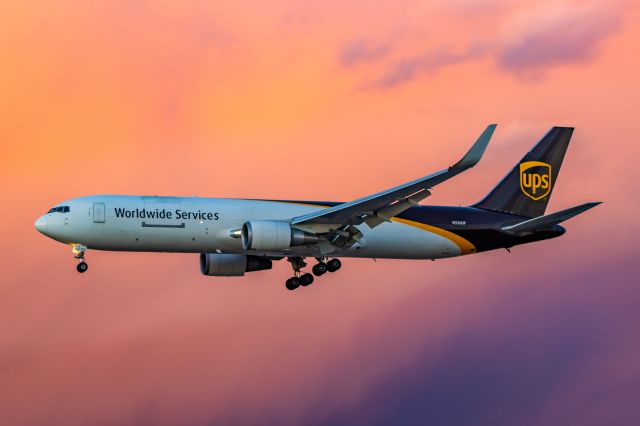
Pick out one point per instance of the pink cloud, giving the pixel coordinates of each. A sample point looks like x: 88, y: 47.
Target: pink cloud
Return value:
x: 362, y: 51
x: 556, y: 33
x: 409, y: 68
x: 526, y: 41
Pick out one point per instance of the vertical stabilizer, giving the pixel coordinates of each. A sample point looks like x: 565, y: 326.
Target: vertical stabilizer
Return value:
x: 526, y: 190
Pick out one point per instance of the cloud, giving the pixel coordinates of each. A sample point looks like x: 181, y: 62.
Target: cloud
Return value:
x: 557, y: 33
x: 145, y: 339
x: 539, y: 348
x: 410, y: 67
x: 525, y: 42
x: 361, y: 51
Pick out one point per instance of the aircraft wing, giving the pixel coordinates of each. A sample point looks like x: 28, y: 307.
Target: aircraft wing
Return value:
x: 378, y: 208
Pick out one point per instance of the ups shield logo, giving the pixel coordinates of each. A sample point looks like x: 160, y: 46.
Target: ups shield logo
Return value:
x: 535, y: 179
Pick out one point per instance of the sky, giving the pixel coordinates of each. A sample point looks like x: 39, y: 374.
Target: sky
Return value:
x: 329, y: 101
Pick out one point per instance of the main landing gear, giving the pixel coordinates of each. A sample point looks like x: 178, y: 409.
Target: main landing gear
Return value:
x: 78, y: 253
x: 324, y: 266
x: 298, y: 278
x: 320, y: 268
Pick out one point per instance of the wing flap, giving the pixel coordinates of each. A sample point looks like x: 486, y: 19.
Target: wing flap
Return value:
x: 385, y: 213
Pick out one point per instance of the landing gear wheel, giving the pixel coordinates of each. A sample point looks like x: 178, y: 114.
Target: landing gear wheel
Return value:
x: 292, y: 283
x: 319, y: 269
x: 333, y: 265
x: 82, y: 267
x: 306, y: 279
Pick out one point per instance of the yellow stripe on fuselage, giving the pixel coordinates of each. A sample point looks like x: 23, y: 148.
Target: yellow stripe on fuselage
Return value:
x: 465, y: 246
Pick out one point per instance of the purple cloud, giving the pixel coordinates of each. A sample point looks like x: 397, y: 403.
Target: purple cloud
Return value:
x: 410, y: 67
x: 565, y: 33
x: 529, y: 42
x: 361, y: 51
x: 525, y: 362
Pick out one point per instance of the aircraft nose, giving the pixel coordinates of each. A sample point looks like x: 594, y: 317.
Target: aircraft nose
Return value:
x: 41, y: 224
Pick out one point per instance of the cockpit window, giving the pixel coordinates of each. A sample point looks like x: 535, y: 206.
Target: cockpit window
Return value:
x: 60, y: 209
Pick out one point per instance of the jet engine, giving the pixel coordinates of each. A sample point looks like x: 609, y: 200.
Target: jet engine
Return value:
x: 273, y: 235
x: 231, y: 265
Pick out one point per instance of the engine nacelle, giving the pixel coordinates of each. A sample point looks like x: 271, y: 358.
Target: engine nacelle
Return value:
x: 231, y: 265
x: 273, y: 235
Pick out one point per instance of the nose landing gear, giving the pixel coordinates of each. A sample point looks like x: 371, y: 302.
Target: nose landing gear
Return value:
x: 78, y: 253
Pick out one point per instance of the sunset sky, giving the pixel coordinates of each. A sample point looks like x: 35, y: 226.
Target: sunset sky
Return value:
x: 324, y: 100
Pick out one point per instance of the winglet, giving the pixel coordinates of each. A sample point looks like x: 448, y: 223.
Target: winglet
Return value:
x: 475, y: 153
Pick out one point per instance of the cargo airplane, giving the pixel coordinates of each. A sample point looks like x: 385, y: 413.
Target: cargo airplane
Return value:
x: 236, y: 236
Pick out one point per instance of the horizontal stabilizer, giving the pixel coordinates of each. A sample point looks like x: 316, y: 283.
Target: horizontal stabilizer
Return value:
x: 542, y: 222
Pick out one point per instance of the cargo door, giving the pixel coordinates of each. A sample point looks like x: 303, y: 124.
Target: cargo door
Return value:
x: 98, y: 212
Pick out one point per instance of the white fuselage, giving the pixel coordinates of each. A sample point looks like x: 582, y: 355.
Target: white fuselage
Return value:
x: 210, y: 225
